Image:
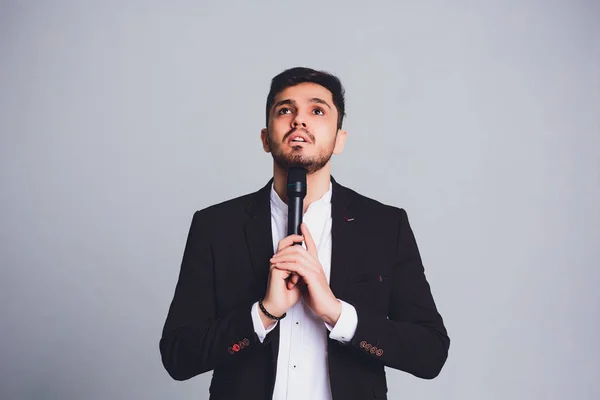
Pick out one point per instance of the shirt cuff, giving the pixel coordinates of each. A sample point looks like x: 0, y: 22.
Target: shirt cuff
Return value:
x: 345, y: 327
x: 259, y: 328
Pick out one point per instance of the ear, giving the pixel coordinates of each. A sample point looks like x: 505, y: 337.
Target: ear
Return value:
x: 340, y: 141
x: 264, y: 138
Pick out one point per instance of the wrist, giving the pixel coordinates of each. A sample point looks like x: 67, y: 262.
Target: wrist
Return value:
x: 270, y: 311
x: 266, y: 321
x: 333, y: 313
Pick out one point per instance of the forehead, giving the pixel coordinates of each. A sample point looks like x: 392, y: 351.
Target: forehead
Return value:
x: 304, y: 92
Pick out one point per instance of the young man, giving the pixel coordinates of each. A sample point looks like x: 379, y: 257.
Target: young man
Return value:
x: 318, y: 321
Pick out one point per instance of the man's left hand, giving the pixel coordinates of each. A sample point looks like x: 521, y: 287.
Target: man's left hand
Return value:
x: 305, y: 263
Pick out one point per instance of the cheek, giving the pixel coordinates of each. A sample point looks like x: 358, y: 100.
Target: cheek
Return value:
x: 325, y: 136
x: 279, y: 127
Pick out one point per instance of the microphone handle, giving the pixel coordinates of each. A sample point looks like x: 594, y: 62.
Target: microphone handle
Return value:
x: 295, y: 207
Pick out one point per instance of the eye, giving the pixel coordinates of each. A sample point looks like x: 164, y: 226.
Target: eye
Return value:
x: 318, y: 111
x: 283, y: 110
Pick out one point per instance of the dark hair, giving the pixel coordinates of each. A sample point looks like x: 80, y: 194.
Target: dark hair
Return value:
x: 297, y: 75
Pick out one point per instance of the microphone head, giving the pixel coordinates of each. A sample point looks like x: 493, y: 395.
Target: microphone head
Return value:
x: 296, y: 182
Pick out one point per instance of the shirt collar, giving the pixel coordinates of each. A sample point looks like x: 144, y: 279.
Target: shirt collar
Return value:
x: 282, y: 208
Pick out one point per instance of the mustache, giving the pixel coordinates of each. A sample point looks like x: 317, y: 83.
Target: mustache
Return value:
x: 293, y: 130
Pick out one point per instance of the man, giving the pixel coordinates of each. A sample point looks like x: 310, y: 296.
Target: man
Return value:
x: 318, y: 321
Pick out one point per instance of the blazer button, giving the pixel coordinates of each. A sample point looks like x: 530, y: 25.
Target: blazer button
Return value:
x: 373, y: 350
x: 241, y: 344
x: 246, y: 342
x: 236, y: 347
x: 363, y: 344
x: 230, y: 350
x: 368, y: 346
x: 379, y: 353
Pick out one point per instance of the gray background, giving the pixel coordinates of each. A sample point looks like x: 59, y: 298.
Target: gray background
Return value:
x: 119, y: 119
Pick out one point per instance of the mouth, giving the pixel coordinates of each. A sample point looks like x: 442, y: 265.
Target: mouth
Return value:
x: 298, y: 138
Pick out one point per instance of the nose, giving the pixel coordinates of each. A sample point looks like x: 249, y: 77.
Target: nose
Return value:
x: 298, y: 122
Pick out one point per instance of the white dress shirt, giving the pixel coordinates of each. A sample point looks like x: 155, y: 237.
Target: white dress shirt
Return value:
x: 302, y: 371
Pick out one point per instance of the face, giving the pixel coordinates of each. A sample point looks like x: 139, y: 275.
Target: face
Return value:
x: 302, y: 128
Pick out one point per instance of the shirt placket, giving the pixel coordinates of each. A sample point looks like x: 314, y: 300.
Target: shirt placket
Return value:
x: 295, y: 364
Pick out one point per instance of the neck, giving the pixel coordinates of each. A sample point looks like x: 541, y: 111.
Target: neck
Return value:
x: 317, y: 184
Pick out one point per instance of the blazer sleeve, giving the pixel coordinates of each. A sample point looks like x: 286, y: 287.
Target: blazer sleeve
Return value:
x: 194, y: 340
x: 413, y: 337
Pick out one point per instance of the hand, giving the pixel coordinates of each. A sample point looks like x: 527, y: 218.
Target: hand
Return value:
x: 305, y: 263
x: 282, y: 293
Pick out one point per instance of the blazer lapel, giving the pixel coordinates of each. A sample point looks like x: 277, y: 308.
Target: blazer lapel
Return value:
x: 344, y: 236
x: 259, y: 237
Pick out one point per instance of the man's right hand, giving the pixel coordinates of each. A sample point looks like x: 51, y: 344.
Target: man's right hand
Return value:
x: 283, y: 292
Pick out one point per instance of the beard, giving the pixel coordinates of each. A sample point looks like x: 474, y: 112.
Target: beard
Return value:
x: 297, y: 158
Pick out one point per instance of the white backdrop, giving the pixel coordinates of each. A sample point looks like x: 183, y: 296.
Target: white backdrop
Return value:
x: 119, y: 119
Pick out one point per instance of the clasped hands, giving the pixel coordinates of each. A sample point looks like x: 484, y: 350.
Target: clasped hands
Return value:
x: 296, y: 272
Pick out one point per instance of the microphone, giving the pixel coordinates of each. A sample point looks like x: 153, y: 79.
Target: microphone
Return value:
x: 296, y: 191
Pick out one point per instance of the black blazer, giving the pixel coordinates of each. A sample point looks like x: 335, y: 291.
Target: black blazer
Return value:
x: 375, y: 266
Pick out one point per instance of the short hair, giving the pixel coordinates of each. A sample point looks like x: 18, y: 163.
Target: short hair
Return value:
x: 297, y: 75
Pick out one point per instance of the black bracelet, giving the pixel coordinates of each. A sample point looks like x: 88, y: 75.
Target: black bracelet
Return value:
x: 268, y: 314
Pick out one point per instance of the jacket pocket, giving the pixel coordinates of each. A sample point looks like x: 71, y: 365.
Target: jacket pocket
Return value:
x: 366, y: 277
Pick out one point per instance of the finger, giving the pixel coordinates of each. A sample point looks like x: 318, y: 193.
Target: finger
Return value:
x: 293, y: 267
x: 289, y: 241
x: 273, y: 266
x: 293, y: 254
x: 278, y: 273
x: 303, y: 258
x: 296, y: 254
x: 291, y: 250
x: 291, y: 278
x: 308, y: 240
x: 294, y: 279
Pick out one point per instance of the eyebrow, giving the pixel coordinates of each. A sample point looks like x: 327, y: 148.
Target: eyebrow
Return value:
x: 319, y: 101
x: 293, y: 103
x: 282, y: 102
